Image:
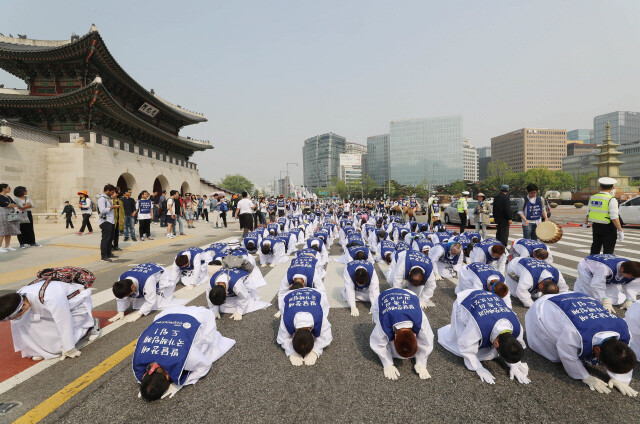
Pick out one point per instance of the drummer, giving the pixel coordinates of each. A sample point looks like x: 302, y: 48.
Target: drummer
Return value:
x: 532, y: 211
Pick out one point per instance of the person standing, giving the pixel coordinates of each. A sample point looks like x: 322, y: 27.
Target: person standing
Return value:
x: 26, y: 237
x: 179, y: 212
x: 244, y: 212
x: 144, y: 212
x: 200, y: 201
x: 205, y: 207
x: 162, y: 206
x: 118, y: 219
x: 263, y: 211
x: 223, y: 211
x: 7, y: 228
x: 463, y: 211
x: 502, y: 214
x: 68, y: 210
x: 85, y: 209
x: 171, y: 213
x: 482, y: 213
x: 532, y: 211
x: 129, y: 213
x: 602, y: 211
x: 194, y: 209
x: 215, y: 209
x: 106, y: 221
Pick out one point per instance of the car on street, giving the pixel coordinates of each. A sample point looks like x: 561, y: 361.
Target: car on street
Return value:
x: 451, y: 213
x: 629, y: 211
x: 424, y: 208
x: 516, y: 204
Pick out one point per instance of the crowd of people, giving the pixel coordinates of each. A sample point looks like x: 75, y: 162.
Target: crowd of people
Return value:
x: 570, y: 327
x: 16, y: 218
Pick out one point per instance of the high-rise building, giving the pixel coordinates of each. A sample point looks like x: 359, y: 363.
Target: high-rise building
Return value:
x: 580, y: 148
x: 426, y: 149
x: 469, y: 162
x: 484, y: 157
x: 355, y: 149
x: 321, y: 159
x: 377, y: 162
x: 351, y: 167
x: 581, y: 134
x: 529, y: 148
x: 625, y: 127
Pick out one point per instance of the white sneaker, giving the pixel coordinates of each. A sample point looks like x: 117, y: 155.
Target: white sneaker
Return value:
x: 169, y: 236
x: 142, y: 238
x: 272, y: 265
x: 3, y: 250
x: 37, y: 358
x: 13, y: 249
x: 95, y: 332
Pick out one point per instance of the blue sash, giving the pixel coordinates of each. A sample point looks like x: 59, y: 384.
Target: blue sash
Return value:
x: 485, y: 245
x: 235, y: 274
x: 355, y: 249
x: 447, y: 258
x: 191, y: 254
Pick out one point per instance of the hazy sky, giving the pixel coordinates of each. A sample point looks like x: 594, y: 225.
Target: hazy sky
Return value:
x: 269, y: 74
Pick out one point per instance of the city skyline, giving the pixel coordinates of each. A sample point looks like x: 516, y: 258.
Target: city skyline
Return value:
x: 246, y: 68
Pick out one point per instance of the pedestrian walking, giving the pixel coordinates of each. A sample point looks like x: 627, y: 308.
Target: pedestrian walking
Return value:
x: 118, y: 219
x: 244, y: 213
x: 482, y: 214
x: 502, y: 214
x: 85, y: 205
x: 67, y: 211
x: 129, y: 213
x: 602, y: 212
x: 205, y: 208
x: 106, y: 221
x: 9, y: 220
x: 224, y: 207
x: 27, y: 237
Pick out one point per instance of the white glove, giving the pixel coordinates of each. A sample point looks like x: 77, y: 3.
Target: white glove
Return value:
x: 186, y: 288
x: 422, y: 371
x: 355, y: 312
x: 620, y: 235
x: 296, y: 359
x: 278, y: 314
x: 519, y: 371
x: 423, y: 304
x: 485, y: 376
x: 585, y: 225
x: 623, y: 387
x: 596, y: 384
x: 391, y: 372
x: 171, y: 391
x: 311, y: 358
x: 133, y: 316
x: 627, y: 304
x: 264, y: 265
x: 217, y: 314
x: 117, y: 317
x: 438, y: 277
x: 606, y: 304
x: 73, y: 353
x: 236, y: 316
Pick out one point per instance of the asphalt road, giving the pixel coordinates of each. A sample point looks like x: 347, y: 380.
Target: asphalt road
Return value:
x: 255, y: 382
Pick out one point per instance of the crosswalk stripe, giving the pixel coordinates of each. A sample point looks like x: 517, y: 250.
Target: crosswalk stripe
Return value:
x: 333, y: 283
x: 588, y: 251
x: 557, y: 254
x: 588, y: 239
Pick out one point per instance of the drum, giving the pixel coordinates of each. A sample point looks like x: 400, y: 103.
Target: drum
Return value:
x: 549, y: 232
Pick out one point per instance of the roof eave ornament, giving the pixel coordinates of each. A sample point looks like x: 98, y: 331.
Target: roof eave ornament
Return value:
x: 97, y: 80
x: 93, y: 28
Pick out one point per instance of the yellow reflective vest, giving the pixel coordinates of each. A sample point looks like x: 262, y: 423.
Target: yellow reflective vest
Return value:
x: 599, y: 208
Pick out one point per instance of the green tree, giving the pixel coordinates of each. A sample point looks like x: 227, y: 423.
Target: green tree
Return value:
x: 368, y: 185
x: 236, y: 183
x: 338, y: 188
x: 499, y: 169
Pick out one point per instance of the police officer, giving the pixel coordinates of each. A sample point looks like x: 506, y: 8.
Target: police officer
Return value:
x: 463, y: 211
x: 603, y: 214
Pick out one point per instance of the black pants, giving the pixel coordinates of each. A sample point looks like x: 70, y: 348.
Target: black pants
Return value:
x: 86, y: 223
x: 604, y: 237
x: 198, y: 213
x: 502, y: 232
x: 205, y: 214
x: 69, y: 222
x: 280, y: 212
x: 223, y: 215
x: 115, y: 237
x: 27, y: 236
x: 463, y: 221
x: 145, y: 227
x: 105, y: 242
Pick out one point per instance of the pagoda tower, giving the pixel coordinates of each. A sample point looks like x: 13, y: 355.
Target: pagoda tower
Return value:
x: 609, y: 164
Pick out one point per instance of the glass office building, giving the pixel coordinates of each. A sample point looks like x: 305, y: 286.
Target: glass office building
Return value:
x: 581, y: 134
x: 625, y: 127
x: 321, y: 160
x: 378, y: 158
x: 428, y: 148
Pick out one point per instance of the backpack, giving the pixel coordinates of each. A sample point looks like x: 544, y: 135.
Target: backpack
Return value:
x: 68, y: 274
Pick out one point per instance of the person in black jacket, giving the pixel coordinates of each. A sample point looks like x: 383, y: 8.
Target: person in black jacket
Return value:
x: 68, y: 211
x: 502, y: 214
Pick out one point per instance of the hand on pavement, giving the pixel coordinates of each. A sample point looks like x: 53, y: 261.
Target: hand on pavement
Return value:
x: 354, y: 311
x: 217, y: 314
x: 623, y: 387
x: 422, y: 371
x: 171, y: 391
x: 438, y: 277
x: 188, y: 288
x: 485, y: 376
x: 117, y: 317
x: 391, y: 372
x: 596, y: 384
x: 278, y: 314
x: 311, y: 358
x: 606, y: 304
x: 73, y: 353
x: 133, y: 316
x: 236, y: 316
x: 519, y: 371
x: 627, y: 304
x: 296, y: 359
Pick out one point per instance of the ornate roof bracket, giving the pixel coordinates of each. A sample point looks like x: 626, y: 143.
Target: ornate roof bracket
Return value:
x: 92, y: 50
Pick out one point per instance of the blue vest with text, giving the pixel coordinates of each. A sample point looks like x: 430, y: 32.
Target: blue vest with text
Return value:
x: 351, y: 269
x: 486, y: 245
x: 302, y: 300
x: 273, y: 227
x: 191, y: 253
x: 422, y: 243
x: 304, y: 265
x: 398, y: 305
x: 535, y: 267
x: 533, y: 211
x: 387, y: 246
x: 166, y: 341
x: 487, y: 309
x: 612, y: 261
x: 235, y: 275
x: 239, y: 251
x: 280, y: 203
x: 306, y: 252
x: 484, y: 272
x: 145, y: 206
x: 531, y: 245
x: 251, y: 237
x: 590, y: 318
x: 355, y: 238
x: 414, y: 258
x: 355, y: 249
x: 271, y: 240
x: 446, y: 257
x: 142, y: 273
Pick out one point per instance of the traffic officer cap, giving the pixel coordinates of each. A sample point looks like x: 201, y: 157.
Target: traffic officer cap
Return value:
x: 465, y: 193
x: 607, y: 181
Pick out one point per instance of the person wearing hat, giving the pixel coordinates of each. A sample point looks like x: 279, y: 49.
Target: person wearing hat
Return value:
x: 84, y: 203
x: 482, y: 213
x: 502, y: 214
x: 602, y: 211
x: 463, y: 211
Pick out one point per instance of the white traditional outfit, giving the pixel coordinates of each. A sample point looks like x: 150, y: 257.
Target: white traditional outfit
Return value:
x: 477, y: 276
x: 599, y: 277
x: 195, y: 272
x: 242, y: 297
x: 366, y: 293
x: 278, y: 253
x: 523, y: 277
x: 154, y: 289
x: 306, y: 268
x: 482, y: 251
x: 407, y: 261
x: 524, y: 248
x: 445, y: 263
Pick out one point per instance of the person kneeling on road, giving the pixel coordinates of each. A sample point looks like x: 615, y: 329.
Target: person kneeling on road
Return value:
x: 360, y: 283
